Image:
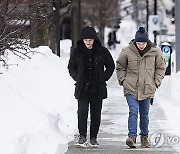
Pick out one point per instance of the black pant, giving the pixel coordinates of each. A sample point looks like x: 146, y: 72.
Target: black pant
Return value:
x: 95, y: 102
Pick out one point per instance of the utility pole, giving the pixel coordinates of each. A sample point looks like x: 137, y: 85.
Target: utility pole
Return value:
x: 155, y: 13
x: 177, y: 33
x: 57, y: 19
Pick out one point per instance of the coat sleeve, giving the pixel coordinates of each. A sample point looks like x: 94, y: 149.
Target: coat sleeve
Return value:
x: 121, y: 67
x: 72, y: 66
x: 160, y: 68
x: 109, y: 65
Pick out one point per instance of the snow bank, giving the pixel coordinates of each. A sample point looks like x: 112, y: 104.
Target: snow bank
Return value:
x: 168, y: 97
x: 37, y: 109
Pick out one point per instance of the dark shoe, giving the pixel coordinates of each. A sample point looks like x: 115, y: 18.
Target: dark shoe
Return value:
x: 93, y: 142
x: 82, y: 142
x: 131, y: 141
x: 145, y: 141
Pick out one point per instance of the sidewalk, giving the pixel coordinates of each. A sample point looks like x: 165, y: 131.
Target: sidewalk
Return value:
x: 113, y: 129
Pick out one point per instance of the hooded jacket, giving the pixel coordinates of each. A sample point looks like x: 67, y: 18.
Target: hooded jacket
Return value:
x: 103, y: 64
x: 140, y: 75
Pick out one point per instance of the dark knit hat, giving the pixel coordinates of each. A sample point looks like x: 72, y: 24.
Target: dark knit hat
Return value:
x: 141, y: 35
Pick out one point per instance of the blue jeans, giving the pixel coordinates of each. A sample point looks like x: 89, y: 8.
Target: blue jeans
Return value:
x: 142, y: 107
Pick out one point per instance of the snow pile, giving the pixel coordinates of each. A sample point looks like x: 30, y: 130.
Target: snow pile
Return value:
x: 168, y: 97
x: 37, y: 109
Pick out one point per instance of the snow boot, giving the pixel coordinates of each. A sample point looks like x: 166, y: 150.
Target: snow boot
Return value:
x: 145, y: 141
x: 131, y: 141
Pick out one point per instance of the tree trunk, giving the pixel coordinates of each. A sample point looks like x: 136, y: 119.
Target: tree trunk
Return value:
x: 76, y: 21
x: 42, y: 27
x: 3, y: 14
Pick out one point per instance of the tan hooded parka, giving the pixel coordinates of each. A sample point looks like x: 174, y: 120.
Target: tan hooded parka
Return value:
x: 140, y: 76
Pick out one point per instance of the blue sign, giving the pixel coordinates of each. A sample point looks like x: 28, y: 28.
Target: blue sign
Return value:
x: 166, y: 50
x: 155, y: 20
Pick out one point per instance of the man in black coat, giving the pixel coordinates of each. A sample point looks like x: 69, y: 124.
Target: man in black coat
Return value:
x: 90, y: 65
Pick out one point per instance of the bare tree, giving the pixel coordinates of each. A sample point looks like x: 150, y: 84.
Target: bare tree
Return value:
x: 42, y: 21
x: 13, y: 24
x: 27, y: 23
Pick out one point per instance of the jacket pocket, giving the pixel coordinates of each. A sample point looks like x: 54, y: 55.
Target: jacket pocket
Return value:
x: 130, y: 84
x: 103, y: 91
x: 150, y: 87
x: 102, y: 77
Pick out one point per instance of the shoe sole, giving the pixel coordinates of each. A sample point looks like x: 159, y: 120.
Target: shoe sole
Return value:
x: 130, y: 144
x: 146, y: 146
x: 94, y: 146
x: 84, y: 145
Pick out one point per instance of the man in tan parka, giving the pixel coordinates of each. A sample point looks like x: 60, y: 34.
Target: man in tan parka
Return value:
x: 140, y: 69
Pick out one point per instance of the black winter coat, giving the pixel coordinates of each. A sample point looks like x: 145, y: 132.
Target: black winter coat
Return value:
x: 104, y: 64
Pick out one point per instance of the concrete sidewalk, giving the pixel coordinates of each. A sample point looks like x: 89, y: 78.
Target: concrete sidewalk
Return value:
x: 113, y: 129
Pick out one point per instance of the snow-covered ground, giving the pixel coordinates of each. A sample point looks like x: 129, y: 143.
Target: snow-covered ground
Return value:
x: 38, y: 109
